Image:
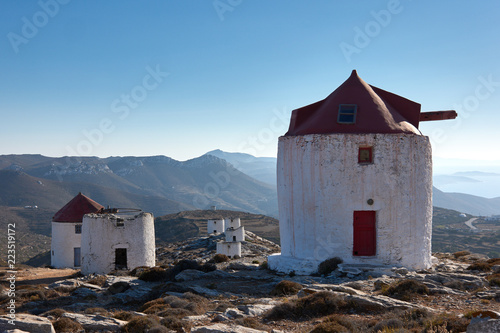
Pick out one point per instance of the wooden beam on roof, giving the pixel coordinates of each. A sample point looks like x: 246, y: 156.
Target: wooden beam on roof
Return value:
x: 438, y: 115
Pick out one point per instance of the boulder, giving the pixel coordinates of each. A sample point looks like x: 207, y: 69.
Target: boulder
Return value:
x: 189, y: 275
x: 223, y: 328
x: 218, y: 274
x: 234, y: 313
x: 118, y: 287
x: 27, y: 322
x: 255, y: 309
x: 96, y: 322
x: 203, y: 291
x: 65, y: 285
x: 83, y: 292
x: 241, y: 266
x: 484, y: 325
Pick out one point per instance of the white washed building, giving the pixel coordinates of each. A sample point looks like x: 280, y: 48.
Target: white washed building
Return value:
x: 216, y: 226
x: 67, y: 231
x: 355, y: 181
x: 112, y: 241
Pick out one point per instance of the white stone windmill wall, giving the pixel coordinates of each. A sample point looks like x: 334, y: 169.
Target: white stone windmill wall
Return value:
x: 232, y: 223
x: 321, y: 184
x: 230, y: 249
x: 109, y: 241
x: 235, y: 235
x: 66, y: 237
x: 216, y: 226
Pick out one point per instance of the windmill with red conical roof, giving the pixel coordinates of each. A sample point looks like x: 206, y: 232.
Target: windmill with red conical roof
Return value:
x: 67, y: 230
x: 355, y: 181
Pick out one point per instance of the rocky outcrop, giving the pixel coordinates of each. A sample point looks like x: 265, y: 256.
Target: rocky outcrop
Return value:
x: 27, y: 322
x: 223, y: 328
x: 96, y: 322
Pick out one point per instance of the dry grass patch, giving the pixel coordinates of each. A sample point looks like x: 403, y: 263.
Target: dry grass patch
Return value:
x: 123, y: 315
x: 97, y: 311
x: 67, y: 325
x: 286, y: 288
x: 56, y: 313
x: 494, y: 280
x: 461, y: 254
x: 141, y: 324
x: 154, y: 274
x: 219, y: 257
x: 405, y: 289
x: 481, y: 266
x: 319, y: 304
x: 99, y: 280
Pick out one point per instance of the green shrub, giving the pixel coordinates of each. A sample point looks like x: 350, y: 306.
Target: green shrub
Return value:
x: 67, y: 325
x: 285, y: 288
x: 329, y: 265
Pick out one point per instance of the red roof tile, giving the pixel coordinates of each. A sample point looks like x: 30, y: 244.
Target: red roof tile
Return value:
x: 378, y: 111
x: 74, y: 210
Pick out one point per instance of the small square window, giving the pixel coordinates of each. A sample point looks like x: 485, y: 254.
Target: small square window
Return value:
x: 365, y: 155
x: 78, y: 229
x: 347, y: 114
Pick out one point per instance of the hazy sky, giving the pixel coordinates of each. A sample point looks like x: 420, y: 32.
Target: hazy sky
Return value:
x: 180, y: 78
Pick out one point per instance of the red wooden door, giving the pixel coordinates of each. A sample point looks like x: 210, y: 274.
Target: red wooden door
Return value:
x: 364, y: 233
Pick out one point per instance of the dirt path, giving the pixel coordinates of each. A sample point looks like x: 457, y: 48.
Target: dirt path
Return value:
x: 34, y: 275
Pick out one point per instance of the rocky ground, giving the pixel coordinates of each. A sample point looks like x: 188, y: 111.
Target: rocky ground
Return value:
x: 191, y: 294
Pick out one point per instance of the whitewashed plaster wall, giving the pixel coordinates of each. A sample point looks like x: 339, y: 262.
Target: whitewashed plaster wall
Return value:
x: 230, y: 249
x: 101, y: 235
x: 233, y: 223
x: 64, y: 240
x: 235, y: 235
x: 215, y: 226
x: 321, y: 183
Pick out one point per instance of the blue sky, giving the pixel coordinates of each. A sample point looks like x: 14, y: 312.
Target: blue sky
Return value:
x: 180, y: 78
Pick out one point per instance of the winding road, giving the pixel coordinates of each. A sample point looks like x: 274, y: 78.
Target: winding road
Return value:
x: 469, y: 223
